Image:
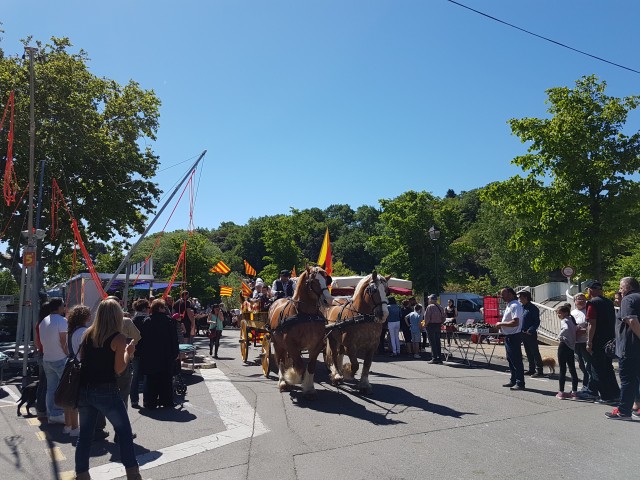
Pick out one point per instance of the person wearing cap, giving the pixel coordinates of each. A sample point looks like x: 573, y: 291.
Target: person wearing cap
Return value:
x: 627, y: 332
x: 283, y: 286
x: 511, y: 325
x: 601, y: 317
x: 530, y: 325
x: 433, y: 318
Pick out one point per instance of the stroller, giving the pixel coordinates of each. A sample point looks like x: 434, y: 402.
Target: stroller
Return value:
x: 179, y: 385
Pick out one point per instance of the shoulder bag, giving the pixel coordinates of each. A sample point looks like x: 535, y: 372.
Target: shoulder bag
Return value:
x: 66, y: 395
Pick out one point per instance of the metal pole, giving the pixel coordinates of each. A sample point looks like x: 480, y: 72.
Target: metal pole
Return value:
x: 31, y: 240
x: 20, y: 329
x: 144, y: 234
x: 437, y: 292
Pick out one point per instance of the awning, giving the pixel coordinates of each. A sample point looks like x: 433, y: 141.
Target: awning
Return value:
x: 349, y: 291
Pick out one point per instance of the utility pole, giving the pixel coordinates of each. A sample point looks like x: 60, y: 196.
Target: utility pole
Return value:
x: 126, y: 259
x: 29, y: 258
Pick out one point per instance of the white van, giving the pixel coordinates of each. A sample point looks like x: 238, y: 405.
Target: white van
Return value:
x: 468, y: 305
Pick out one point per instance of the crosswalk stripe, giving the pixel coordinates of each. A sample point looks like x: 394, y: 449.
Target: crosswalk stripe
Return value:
x: 235, y: 412
x: 56, y: 454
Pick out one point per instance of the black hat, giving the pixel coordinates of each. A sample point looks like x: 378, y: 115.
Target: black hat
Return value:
x: 595, y: 284
x: 285, y: 273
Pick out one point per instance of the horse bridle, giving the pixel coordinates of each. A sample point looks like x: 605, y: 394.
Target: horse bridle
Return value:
x: 372, y: 289
x: 310, y: 283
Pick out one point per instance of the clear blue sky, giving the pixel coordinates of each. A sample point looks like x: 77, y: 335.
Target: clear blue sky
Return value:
x: 305, y: 104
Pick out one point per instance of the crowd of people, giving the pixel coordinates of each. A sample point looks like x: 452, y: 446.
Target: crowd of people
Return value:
x: 594, y: 333
x: 118, y: 351
x: 591, y: 332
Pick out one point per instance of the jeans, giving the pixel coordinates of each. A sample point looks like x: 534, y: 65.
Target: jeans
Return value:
x: 53, y: 372
x: 603, y: 378
x: 530, y: 342
x: 103, y: 398
x: 433, y: 332
x: 134, y: 393
x: 514, y: 356
x: 566, y: 359
x: 629, y: 382
x: 41, y: 395
x: 394, y: 337
x: 584, y: 362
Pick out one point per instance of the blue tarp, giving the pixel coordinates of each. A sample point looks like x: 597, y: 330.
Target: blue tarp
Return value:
x: 156, y: 285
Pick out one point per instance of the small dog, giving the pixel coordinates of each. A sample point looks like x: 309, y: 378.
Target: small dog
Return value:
x: 551, y: 363
x: 29, y: 395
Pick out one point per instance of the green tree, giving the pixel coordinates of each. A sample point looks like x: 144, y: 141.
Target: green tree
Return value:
x: 93, y: 134
x: 578, y: 198
x: 8, y: 284
x: 202, y: 254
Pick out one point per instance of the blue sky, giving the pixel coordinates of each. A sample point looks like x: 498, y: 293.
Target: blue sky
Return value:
x: 306, y: 104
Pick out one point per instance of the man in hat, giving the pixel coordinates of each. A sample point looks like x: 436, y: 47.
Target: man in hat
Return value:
x: 601, y: 317
x: 530, y: 324
x: 283, y: 286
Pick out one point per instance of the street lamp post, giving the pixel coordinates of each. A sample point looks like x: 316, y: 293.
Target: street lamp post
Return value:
x: 434, y: 235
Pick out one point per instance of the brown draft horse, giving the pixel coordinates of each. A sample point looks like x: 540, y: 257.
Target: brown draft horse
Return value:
x: 297, y: 324
x: 368, y: 306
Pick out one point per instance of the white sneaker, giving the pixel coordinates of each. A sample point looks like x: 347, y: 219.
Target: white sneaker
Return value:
x: 74, y: 432
x: 66, y: 429
x: 57, y: 419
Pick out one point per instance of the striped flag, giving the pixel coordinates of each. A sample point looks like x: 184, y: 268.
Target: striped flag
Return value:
x: 293, y: 272
x: 220, y: 267
x: 248, y: 269
x: 225, y: 291
x: 324, y: 259
x: 246, y: 290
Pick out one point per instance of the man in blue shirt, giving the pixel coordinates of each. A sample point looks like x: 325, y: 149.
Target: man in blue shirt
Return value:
x: 530, y: 324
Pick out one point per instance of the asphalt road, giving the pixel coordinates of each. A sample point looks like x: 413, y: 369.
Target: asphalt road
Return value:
x: 432, y: 421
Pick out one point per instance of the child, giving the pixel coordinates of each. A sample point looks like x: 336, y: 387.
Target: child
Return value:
x: 566, y: 358
x: 413, y: 321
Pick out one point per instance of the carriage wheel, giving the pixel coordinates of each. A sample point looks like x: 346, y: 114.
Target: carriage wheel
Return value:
x: 244, y: 341
x: 266, y: 354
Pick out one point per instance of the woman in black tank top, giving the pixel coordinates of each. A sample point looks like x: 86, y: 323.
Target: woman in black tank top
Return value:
x: 105, y: 353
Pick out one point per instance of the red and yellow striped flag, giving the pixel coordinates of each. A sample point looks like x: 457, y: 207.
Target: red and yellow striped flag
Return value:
x: 324, y: 260
x: 248, y: 269
x: 225, y: 291
x: 246, y: 290
x: 220, y: 267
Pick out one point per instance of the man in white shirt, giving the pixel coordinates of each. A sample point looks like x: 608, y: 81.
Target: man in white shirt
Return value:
x: 511, y: 325
x: 53, y: 336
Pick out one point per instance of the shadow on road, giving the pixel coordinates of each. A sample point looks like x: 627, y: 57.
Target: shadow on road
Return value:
x: 391, y: 399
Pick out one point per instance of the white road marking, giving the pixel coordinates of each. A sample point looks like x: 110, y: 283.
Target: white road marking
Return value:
x: 238, y: 417
x: 11, y: 393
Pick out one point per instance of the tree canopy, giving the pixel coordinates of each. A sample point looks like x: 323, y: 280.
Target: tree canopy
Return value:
x: 89, y: 131
x: 578, y: 197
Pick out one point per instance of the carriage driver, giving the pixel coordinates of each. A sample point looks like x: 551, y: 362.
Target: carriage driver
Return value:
x: 283, y: 286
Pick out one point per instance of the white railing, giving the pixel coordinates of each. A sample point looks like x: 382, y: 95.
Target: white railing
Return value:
x: 549, y: 322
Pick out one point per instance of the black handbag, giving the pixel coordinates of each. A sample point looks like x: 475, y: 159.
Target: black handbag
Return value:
x: 66, y: 395
x: 610, y: 348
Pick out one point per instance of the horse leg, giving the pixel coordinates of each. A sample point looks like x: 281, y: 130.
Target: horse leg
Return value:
x: 308, y: 388
x: 333, y: 358
x: 281, y: 356
x: 351, y: 370
x: 293, y: 374
x: 363, y: 385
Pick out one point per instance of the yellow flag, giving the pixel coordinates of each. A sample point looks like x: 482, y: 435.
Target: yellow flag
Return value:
x: 324, y: 260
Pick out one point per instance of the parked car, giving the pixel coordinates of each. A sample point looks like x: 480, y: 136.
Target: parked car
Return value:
x: 8, y: 326
x: 468, y: 305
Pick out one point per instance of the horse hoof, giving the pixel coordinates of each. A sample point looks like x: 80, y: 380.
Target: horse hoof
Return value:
x: 283, y: 386
x: 337, y: 380
x: 311, y: 395
x: 365, y: 390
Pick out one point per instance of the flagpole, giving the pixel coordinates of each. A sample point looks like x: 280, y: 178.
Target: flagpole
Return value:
x: 144, y: 234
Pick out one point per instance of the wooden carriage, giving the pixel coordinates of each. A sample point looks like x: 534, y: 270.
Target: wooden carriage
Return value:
x: 254, y: 331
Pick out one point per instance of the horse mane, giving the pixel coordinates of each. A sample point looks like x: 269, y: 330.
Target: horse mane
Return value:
x: 362, y: 284
x: 302, y: 279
